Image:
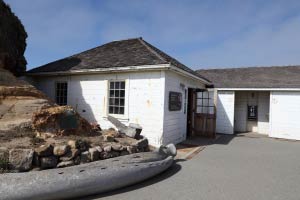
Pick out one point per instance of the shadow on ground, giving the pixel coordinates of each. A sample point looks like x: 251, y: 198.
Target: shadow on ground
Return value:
x: 160, y: 177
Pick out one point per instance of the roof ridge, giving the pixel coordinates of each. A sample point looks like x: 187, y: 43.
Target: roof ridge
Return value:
x: 248, y: 67
x: 151, y: 49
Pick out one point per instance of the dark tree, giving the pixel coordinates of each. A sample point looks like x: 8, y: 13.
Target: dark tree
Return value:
x: 12, y: 41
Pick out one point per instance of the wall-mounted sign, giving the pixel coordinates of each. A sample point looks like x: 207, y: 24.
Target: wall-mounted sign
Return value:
x: 175, y: 101
x: 252, y: 112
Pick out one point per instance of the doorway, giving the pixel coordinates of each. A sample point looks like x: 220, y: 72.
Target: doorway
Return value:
x: 201, y: 118
x: 190, y: 109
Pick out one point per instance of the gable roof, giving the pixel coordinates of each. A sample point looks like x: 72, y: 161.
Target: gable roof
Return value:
x: 254, y: 77
x: 116, y: 54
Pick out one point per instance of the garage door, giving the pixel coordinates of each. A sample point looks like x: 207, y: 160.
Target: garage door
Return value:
x: 284, y: 115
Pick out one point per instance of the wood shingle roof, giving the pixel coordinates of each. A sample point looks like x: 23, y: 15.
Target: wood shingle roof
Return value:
x: 254, y: 77
x: 116, y: 54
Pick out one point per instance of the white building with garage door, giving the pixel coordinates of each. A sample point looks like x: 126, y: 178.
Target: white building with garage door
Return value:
x: 264, y: 100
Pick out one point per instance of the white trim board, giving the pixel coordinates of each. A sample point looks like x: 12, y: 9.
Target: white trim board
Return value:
x: 124, y: 69
x: 258, y: 89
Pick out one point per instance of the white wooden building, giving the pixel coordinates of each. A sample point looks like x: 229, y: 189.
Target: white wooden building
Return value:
x: 264, y: 100
x: 129, y: 79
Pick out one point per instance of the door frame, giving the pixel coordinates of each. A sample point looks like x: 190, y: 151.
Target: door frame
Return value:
x: 200, y: 124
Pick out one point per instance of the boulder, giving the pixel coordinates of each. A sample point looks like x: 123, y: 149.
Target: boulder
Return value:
x: 131, y: 149
x: 99, y: 149
x: 77, y: 160
x: 116, y: 147
x: 169, y: 150
x: 21, y: 159
x: 82, y: 145
x: 111, y: 132
x: 36, y: 160
x: 44, y: 150
x: 142, y: 144
x: 107, y: 148
x: 73, y: 144
x: 108, y: 138
x: 133, y: 131
x: 70, y: 155
x: 85, y: 157
x: 65, y: 164
x: 138, y: 129
x: 107, y: 155
x: 124, y: 153
x: 61, y: 150
x: 48, y: 162
x: 94, y: 154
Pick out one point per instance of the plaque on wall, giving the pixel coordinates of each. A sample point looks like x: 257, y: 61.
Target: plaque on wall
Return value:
x: 175, y: 101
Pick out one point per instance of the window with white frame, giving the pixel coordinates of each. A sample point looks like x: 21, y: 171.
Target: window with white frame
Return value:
x: 116, y: 103
x: 205, y: 102
x: 61, y: 93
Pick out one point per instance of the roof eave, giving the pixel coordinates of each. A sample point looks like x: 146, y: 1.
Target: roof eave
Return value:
x: 258, y: 89
x: 102, y: 70
x: 183, y: 72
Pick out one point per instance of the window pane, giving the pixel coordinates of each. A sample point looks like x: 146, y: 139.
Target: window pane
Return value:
x: 200, y: 110
x: 121, y: 110
x: 117, y: 102
x: 116, y: 111
x: 112, y: 85
x: 199, y: 102
x: 122, y: 93
x: 111, y: 109
x: 116, y: 97
x: 123, y: 85
x: 60, y: 100
x: 205, y: 102
x: 211, y: 110
x: 117, y: 93
x: 112, y: 93
x: 205, y: 110
x: 122, y: 102
x: 111, y: 101
x: 61, y: 93
x: 211, y: 102
x: 117, y: 84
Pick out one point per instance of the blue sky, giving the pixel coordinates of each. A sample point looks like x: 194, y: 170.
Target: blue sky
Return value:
x: 200, y: 34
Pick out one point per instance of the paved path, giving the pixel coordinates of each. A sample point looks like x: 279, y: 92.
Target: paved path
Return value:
x: 238, y: 168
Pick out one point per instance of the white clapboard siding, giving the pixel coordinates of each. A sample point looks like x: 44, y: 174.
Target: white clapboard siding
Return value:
x: 175, y: 122
x: 147, y: 95
x: 225, y: 112
x: 284, y: 115
x: 263, y: 124
x: 88, y: 95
